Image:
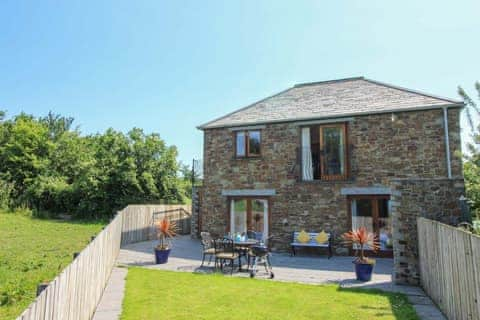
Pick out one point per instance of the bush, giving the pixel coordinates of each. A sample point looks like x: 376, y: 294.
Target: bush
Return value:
x: 476, y: 227
x: 47, y: 194
x: 6, y: 189
x: 471, y: 173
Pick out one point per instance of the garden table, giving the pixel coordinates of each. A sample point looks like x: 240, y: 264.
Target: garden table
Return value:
x: 243, y: 246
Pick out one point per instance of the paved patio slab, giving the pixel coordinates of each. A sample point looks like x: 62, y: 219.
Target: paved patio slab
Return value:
x: 110, y: 306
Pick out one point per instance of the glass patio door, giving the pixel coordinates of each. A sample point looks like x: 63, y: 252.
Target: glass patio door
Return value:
x: 373, y: 212
x: 238, y: 216
x: 249, y: 214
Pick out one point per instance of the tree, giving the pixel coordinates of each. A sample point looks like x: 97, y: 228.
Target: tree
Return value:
x: 24, y: 152
x: 190, y: 176
x: 56, y: 124
x: 471, y: 105
x: 471, y: 168
x: 47, y: 165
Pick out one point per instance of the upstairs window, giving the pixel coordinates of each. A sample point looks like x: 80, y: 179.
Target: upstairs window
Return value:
x: 247, y: 143
x: 324, y: 152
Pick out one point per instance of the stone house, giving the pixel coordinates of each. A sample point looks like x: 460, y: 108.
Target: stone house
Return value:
x: 335, y: 155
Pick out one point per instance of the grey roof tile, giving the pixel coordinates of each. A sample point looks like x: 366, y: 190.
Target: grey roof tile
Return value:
x: 330, y: 99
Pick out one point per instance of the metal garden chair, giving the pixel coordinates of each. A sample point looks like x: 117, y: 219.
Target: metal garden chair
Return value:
x: 208, y: 249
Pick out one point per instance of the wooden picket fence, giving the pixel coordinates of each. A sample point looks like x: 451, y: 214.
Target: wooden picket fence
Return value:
x: 75, y: 293
x: 138, y: 221
x: 450, y: 268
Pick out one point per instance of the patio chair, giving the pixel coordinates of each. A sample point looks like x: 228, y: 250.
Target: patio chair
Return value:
x: 208, y: 248
x: 225, y: 251
x: 255, y: 235
x: 251, y: 234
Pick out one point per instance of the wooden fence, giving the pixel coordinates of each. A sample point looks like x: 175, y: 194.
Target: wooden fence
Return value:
x: 75, y: 293
x: 450, y: 268
x: 138, y: 220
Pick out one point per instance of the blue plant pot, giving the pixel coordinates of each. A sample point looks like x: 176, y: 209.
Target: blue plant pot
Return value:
x: 363, y: 271
x: 161, y: 256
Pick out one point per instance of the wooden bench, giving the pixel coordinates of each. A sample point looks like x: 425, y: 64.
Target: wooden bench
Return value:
x: 312, y: 243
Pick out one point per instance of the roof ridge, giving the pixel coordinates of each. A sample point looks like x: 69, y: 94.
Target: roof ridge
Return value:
x: 437, y: 101
x: 304, y: 84
x: 413, y: 91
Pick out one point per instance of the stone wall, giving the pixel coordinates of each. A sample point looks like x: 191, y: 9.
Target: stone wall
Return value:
x: 409, y: 145
x: 196, y: 203
x: 436, y: 199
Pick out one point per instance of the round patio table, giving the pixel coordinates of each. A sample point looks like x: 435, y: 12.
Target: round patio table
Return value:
x: 242, y: 246
x: 245, y: 243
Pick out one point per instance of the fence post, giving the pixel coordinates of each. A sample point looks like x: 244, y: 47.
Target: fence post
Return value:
x: 41, y: 286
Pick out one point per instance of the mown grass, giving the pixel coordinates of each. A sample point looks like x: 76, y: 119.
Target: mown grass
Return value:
x: 34, y: 250
x: 154, y: 294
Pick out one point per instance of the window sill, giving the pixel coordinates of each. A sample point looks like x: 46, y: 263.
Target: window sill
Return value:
x: 350, y: 180
x: 248, y: 158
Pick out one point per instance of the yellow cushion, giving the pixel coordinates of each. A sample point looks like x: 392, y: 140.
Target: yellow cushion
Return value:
x: 322, y: 237
x: 303, y: 237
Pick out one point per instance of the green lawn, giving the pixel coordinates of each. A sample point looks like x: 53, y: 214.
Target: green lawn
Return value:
x: 34, y: 250
x: 154, y: 294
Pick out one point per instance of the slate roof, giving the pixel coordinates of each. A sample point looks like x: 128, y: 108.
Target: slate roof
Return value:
x: 331, y: 99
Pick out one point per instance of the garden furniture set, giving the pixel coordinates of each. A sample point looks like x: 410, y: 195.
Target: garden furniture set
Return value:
x: 226, y: 251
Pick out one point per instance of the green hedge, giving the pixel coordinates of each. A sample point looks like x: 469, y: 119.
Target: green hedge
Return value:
x: 48, y: 166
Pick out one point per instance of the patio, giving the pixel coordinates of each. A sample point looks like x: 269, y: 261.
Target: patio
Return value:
x: 186, y: 256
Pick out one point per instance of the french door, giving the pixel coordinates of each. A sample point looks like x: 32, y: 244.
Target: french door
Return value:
x: 333, y: 152
x: 249, y: 214
x: 373, y: 212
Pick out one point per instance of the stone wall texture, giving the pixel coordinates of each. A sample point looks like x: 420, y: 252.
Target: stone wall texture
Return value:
x: 435, y: 199
x: 382, y: 149
x: 196, y: 202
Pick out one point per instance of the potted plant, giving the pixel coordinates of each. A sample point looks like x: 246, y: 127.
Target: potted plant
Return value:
x: 361, y: 238
x: 166, y: 230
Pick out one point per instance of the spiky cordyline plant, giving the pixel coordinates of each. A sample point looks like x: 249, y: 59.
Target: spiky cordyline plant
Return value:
x: 166, y: 229
x: 361, y: 237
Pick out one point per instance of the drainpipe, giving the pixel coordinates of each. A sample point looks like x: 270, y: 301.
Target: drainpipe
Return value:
x: 447, y: 142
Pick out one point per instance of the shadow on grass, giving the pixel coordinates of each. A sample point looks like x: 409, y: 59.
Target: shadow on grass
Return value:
x: 399, y: 304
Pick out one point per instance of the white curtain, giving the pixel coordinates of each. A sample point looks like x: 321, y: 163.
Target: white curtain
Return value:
x: 238, y: 219
x: 307, y: 168
x: 355, y: 224
x: 360, y: 221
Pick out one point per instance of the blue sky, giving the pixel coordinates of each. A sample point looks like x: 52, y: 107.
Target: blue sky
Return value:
x: 168, y: 66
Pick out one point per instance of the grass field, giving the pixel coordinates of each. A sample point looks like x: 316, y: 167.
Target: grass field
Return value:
x: 154, y: 294
x: 34, y: 250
